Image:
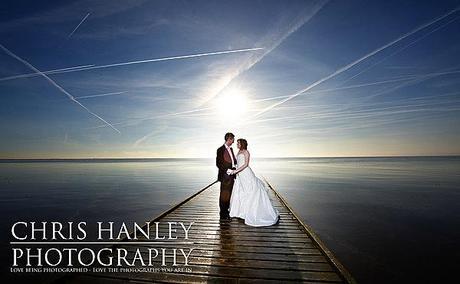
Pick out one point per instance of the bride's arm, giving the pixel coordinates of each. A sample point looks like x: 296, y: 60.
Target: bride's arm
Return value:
x: 246, y: 163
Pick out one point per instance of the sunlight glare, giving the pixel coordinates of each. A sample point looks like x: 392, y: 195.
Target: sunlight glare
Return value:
x: 232, y: 104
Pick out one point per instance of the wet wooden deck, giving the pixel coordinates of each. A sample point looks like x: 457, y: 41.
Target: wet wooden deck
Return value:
x: 232, y: 252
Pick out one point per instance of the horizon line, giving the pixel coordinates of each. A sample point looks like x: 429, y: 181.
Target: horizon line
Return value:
x: 191, y: 158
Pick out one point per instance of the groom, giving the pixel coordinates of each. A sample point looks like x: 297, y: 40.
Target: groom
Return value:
x: 225, y: 160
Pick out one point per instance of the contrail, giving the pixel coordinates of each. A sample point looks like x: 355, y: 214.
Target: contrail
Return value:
x: 406, y: 81
x: 369, y: 113
x: 101, y: 95
x: 406, y: 78
x: 76, y: 28
x: 401, y: 49
x: 366, y: 108
x: 401, y: 79
x: 139, y: 120
x: 141, y: 140
x: 345, y: 68
x: 54, y: 71
x: 56, y: 85
x: 413, y: 81
x: 270, y: 42
x: 168, y: 58
x: 142, y: 61
x: 273, y: 42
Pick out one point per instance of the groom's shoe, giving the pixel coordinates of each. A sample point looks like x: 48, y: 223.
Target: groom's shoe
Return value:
x: 225, y: 217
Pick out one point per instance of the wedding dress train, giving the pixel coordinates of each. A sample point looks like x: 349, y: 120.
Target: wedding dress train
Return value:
x: 250, y: 200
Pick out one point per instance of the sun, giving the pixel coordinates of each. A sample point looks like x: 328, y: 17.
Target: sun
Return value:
x: 232, y: 103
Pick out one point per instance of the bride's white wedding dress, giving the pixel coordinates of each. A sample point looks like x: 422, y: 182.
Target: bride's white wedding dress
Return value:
x: 250, y: 200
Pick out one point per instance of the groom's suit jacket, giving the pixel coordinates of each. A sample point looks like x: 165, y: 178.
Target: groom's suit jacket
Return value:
x: 224, y: 162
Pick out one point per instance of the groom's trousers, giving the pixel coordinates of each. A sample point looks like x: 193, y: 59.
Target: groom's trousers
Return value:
x: 226, y: 187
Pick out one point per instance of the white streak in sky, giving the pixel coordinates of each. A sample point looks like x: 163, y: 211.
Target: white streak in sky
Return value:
x: 407, y: 81
x: 345, y: 68
x: 414, y: 81
x: 139, y: 120
x: 399, y: 79
x: 76, y: 28
x: 141, y: 140
x: 56, y: 85
x: 174, y: 58
x: 401, y: 49
x: 144, y: 61
x: 54, y: 71
x: 101, y: 95
x: 408, y: 78
x: 362, y: 114
x: 271, y: 42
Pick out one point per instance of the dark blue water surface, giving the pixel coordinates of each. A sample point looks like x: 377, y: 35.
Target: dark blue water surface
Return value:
x: 387, y: 220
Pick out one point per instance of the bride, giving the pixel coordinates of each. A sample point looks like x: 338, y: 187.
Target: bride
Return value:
x: 249, y: 199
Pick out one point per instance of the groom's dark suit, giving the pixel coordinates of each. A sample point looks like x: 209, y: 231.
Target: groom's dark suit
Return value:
x: 224, y: 162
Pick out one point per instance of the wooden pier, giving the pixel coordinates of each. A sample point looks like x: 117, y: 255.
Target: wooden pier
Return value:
x: 232, y: 252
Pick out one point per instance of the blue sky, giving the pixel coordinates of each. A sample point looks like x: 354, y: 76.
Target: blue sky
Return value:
x: 379, y: 78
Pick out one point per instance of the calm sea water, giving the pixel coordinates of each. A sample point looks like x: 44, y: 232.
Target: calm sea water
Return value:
x: 386, y: 219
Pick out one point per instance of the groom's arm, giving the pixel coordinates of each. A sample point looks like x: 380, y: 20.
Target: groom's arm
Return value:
x: 219, y: 159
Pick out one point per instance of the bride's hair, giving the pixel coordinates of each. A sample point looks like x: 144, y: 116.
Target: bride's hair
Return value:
x: 243, y: 144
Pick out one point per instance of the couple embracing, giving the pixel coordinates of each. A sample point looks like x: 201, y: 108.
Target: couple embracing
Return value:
x: 242, y: 194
